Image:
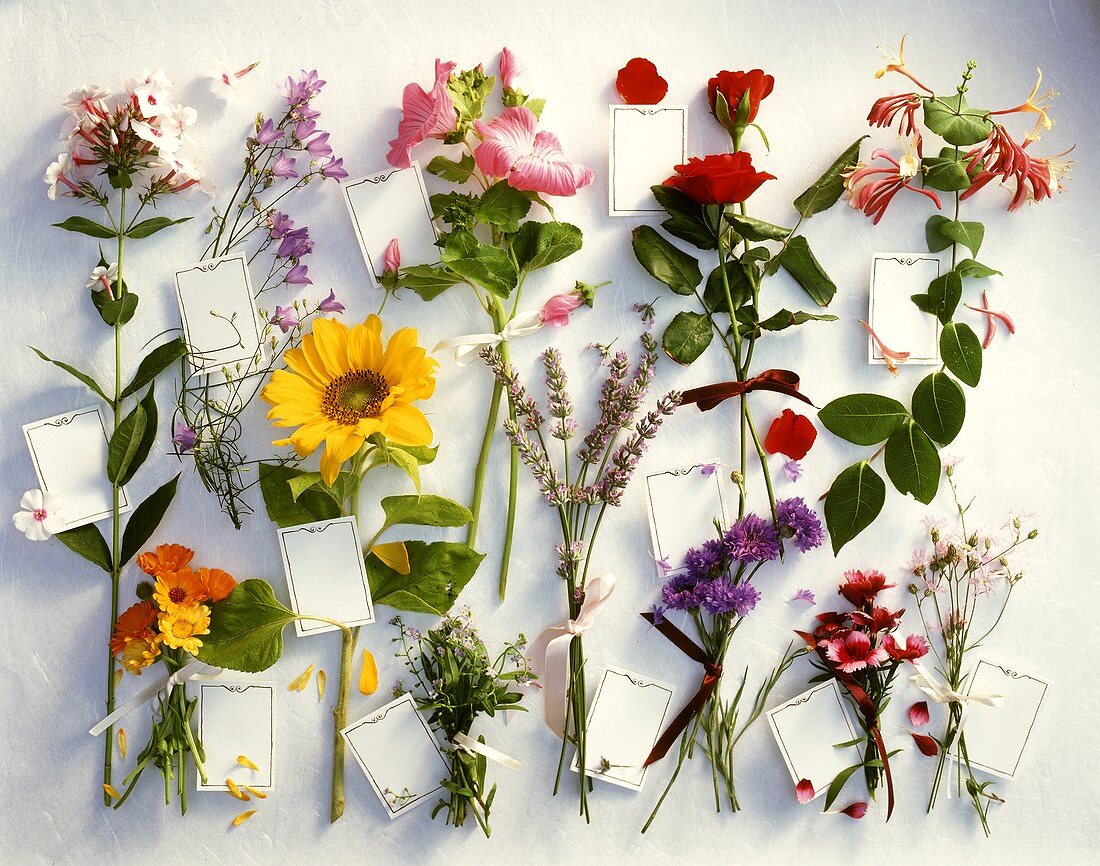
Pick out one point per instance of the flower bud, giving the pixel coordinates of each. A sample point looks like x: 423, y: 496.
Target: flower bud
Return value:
x: 1033, y: 535
x: 144, y: 590
x: 737, y: 478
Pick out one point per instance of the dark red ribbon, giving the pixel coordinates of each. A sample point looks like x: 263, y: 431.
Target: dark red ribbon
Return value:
x: 712, y: 673
x: 866, y: 707
x: 709, y: 396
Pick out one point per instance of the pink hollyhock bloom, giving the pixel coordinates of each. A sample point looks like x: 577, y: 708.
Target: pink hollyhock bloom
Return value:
x: 991, y: 317
x: 391, y: 257
x: 509, y: 69
x: 856, y: 810
x: 530, y: 160
x: 559, y: 308
x: 891, y: 357
x: 918, y: 714
x: 804, y: 791
x: 872, y: 188
x: 854, y: 652
x: 915, y: 647
x: 424, y: 114
x: 927, y: 745
x: 284, y: 317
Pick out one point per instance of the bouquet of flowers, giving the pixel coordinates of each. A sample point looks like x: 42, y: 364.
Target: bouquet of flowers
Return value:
x: 282, y: 155
x: 976, y: 150
x: 456, y: 682
x: 491, y: 244
x: 124, y: 155
x: 716, y: 591
x: 857, y: 648
x: 587, y: 484
x: 961, y: 573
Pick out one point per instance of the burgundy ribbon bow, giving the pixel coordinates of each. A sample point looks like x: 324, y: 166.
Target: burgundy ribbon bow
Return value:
x: 712, y: 673
x: 866, y: 707
x: 709, y: 396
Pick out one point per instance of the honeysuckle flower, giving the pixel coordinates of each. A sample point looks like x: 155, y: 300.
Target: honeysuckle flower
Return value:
x: 42, y: 515
x: 296, y: 276
x: 991, y: 317
x: 284, y: 166
x: 804, y: 595
x: 424, y: 114
x: 871, y: 188
x: 330, y: 304
x: 928, y: 746
x: 1001, y: 157
x: 856, y: 810
x: 103, y: 277
x: 509, y: 70
x: 804, y: 791
x: 333, y: 169
x: 903, y: 107
x: 853, y: 652
x: 895, y: 62
x: 918, y: 714
x: 184, y: 438
x: 268, y: 133
x: 792, y: 469
x: 224, y: 82
x: 891, y: 357
x: 514, y: 149
x: 1035, y: 104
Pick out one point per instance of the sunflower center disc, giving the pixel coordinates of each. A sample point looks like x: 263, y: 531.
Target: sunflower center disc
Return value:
x: 354, y: 395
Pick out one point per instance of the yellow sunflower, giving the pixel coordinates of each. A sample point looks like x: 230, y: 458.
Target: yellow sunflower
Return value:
x: 180, y: 627
x: 344, y: 385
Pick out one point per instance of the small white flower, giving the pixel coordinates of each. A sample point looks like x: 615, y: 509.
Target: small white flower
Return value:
x: 56, y: 169
x: 153, y: 100
x: 42, y: 515
x: 223, y: 83
x: 166, y: 142
x: 76, y: 103
x: 103, y: 276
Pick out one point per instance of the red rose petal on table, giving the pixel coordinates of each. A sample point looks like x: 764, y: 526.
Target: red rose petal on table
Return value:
x: 918, y: 714
x: 856, y: 810
x: 926, y: 744
x: 639, y: 84
x: 791, y: 434
x: 804, y: 791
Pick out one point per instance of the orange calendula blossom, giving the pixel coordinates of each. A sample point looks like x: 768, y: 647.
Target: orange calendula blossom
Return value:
x: 181, y: 588
x: 217, y: 584
x: 344, y: 385
x: 166, y: 558
x: 180, y: 627
x: 136, y: 622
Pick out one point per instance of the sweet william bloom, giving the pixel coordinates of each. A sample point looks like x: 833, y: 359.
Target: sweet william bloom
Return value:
x: 424, y: 114
x: 733, y: 86
x: 860, y: 588
x: 185, y: 438
x: 915, y: 647
x: 42, y: 515
x: 514, y: 149
x: 918, y: 714
x: 871, y: 188
x: 853, y: 652
x: 284, y: 166
x: 330, y: 304
x: 790, y: 434
x: 639, y: 84
x: 720, y: 178
x: 880, y: 619
x: 804, y: 791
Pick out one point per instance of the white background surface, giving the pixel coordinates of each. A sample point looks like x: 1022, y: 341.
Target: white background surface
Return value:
x: 1029, y: 439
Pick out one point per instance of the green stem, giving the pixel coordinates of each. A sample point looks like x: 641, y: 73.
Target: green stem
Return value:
x: 339, y: 722
x: 513, y: 486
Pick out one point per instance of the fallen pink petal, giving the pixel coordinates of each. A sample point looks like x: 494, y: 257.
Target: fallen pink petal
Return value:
x: 804, y: 595
x: 918, y: 714
x: 856, y: 810
x: 804, y: 791
x: 928, y: 746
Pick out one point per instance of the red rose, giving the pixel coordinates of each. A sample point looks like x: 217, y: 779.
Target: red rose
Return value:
x: 732, y: 85
x: 639, y: 84
x: 790, y: 434
x: 721, y: 178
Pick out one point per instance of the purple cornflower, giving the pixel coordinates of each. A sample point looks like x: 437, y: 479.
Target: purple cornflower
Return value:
x: 792, y: 469
x: 330, y: 304
x: 302, y: 90
x: 296, y: 276
x: 185, y: 438
x: 279, y: 224
x: 720, y: 597
x: 705, y: 561
x: 334, y: 169
x: 804, y: 595
x: 268, y: 133
x: 285, y: 318
x: 800, y: 523
x: 284, y: 167
x: 681, y: 592
x: 752, y: 539
x: 295, y: 244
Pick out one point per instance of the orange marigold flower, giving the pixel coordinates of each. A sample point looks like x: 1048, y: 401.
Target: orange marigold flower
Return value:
x: 134, y: 623
x: 179, y: 589
x: 167, y: 557
x: 217, y: 583
x: 139, y: 653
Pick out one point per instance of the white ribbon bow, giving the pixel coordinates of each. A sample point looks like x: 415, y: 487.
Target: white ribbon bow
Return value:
x: 469, y: 745
x: 550, y: 652
x: 940, y: 692
x: 466, y: 348
x: 193, y: 670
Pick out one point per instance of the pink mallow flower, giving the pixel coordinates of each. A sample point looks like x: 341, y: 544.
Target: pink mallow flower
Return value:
x: 424, y: 114
x: 391, y: 257
x: 853, y: 652
x: 512, y: 148
x: 557, y: 310
x: 509, y: 70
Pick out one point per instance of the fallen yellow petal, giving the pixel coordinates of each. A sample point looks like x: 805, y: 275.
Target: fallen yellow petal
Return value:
x: 235, y: 791
x: 301, y: 681
x: 259, y: 795
x: 246, y: 761
x: 368, y: 675
x: 112, y: 791
x: 322, y: 681
x: 394, y: 554
x: 244, y: 816
x: 118, y: 676
x: 122, y: 743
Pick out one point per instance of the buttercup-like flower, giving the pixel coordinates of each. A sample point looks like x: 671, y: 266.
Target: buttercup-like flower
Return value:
x: 43, y: 514
x: 343, y: 385
x: 424, y: 114
x: 181, y: 627
x: 513, y: 148
x: 720, y: 178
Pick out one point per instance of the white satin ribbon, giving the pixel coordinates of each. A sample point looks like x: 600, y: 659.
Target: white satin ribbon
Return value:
x: 940, y: 692
x: 550, y: 652
x: 193, y: 670
x: 466, y: 348
x: 470, y: 746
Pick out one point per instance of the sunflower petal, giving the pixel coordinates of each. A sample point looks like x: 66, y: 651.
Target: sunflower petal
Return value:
x: 368, y: 674
x: 244, y: 816
x: 394, y: 554
x: 406, y: 425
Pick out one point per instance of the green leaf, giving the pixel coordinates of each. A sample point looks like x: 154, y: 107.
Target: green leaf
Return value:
x: 714, y: 295
x: 149, y: 436
x: 125, y: 444
x: 948, y: 175
x: 84, y: 226
x: 537, y: 244
x: 428, y: 510
x: 837, y: 785
x: 944, y: 294
x: 753, y: 229
x: 155, y: 363
x: 824, y: 192
x: 453, y: 171
x: 863, y: 419
x: 282, y: 508
x: 687, y: 336
x: 912, y: 462
x: 145, y: 519
x: 151, y: 226
x: 488, y: 266
x: 941, y: 232
x: 664, y: 262
x: 962, y: 352
x: 299, y: 484
x: 72, y: 371
x: 503, y: 206
x: 687, y: 219
x: 798, y: 261
x: 246, y: 629
x: 438, y: 572
x: 955, y: 121
x: 971, y: 268
x: 939, y: 406
x: 428, y: 281
x: 119, y: 310
x: 786, y: 319
x: 87, y: 541
x: 853, y: 502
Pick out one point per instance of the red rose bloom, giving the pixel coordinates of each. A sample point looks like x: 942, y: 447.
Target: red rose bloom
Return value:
x: 790, y: 434
x: 732, y: 85
x: 639, y: 84
x: 861, y: 588
x: 721, y: 178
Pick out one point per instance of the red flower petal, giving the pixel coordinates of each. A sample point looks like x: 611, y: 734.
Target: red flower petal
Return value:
x: 856, y: 810
x: 791, y: 434
x: 639, y: 84
x: 804, y: 791
x: 926, y: 744
x: 918, y: 714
